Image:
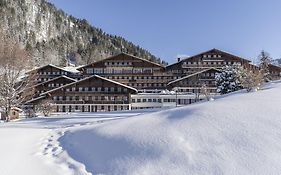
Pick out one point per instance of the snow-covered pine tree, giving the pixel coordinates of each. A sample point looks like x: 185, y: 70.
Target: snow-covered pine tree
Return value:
x: 230, y: 79
x: 265, y: 60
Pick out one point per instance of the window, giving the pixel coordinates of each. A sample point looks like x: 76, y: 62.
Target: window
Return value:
x: 106, y: 89
x: 90, y: 71
x: 119, y: 89
x: 98, y: 71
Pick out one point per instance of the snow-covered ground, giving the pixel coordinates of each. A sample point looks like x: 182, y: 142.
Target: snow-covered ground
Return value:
x: 236, y: 134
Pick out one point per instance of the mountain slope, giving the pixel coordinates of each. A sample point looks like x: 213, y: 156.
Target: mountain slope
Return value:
x: 55, y: 37
x: 238, y: 134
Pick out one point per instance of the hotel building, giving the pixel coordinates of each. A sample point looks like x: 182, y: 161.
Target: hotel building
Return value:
x: 125, y: 82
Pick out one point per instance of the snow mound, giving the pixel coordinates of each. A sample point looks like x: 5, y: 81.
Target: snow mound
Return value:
x: 237, y: 134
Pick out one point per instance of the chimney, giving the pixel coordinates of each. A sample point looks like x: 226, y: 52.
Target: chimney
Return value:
x: 179, y: 59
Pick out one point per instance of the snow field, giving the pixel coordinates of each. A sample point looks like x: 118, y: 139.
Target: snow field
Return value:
x: 237, y: 134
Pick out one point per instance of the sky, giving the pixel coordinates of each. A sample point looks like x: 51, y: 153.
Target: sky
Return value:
x: 169, y: 28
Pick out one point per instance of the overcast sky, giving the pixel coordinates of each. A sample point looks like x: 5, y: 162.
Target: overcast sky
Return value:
x: 168, y: 28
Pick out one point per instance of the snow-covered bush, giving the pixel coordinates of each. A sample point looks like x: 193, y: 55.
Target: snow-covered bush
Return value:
x: 233, y: 78
x: 230, y: 79
x: 205, y: 91
x: 252, y: 80
x: 45, y: 107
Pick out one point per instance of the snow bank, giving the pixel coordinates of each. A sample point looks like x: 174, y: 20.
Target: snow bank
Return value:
x: 238, y: 134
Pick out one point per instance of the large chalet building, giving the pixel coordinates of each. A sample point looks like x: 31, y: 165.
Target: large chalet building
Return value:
x: 130, y: 70
x: 125, y: 82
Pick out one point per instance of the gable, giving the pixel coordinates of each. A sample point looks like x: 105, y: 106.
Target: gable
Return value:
x: 123, y: 60
x: 60, y: 79
x: 202, y: 73
x: 210, y: 55
x: 94, y: 81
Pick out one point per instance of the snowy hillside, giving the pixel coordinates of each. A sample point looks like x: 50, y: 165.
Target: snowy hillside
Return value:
x: 239, y: 134
x: 236, y: 134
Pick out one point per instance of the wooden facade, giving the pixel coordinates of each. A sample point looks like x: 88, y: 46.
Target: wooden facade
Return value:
x: 210, y: 59
x: 275, y: 72
x: 91, y: 94
x: 130, y: 70
x: 49, y: 72
x: 51, y: 84
x: 108, y: 85
x: 194, y: 82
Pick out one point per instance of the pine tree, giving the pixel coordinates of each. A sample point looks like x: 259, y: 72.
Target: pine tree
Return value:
x: 265, y: 60
x: 230, y: 79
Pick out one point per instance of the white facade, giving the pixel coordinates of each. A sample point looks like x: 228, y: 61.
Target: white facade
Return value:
x: 163, y: 100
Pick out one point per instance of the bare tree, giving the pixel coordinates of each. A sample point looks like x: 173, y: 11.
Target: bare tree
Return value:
x: 205, y: 91
x: 252, y: 80
x: 14, y: 62
x: 45, y: 106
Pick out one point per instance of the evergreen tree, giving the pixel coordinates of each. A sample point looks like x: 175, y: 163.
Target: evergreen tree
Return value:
x: 265, y: 60
x: 230, y: 79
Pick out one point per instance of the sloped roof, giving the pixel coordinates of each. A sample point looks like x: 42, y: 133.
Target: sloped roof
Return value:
x: 35, y: 99
x: 191, y: 75
x: 275, y: 66
x: 214, y: 49
x: 53, y: 79
x: 67, y: 69
x: 125, y: 54
x: 85, y: 79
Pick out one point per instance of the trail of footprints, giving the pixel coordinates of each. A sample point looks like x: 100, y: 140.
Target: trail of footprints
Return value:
x: 50, y: 145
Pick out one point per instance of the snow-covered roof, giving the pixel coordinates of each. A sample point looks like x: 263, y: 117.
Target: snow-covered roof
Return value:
x: 71, y: 69
x: 53, y: 79
x: 214, y: 49
x: 97, y: 76
x: 16, y: 109
x: 151, y: 62
x: 35, y: 99
x: 67, y: 69
x: 191, y: 75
